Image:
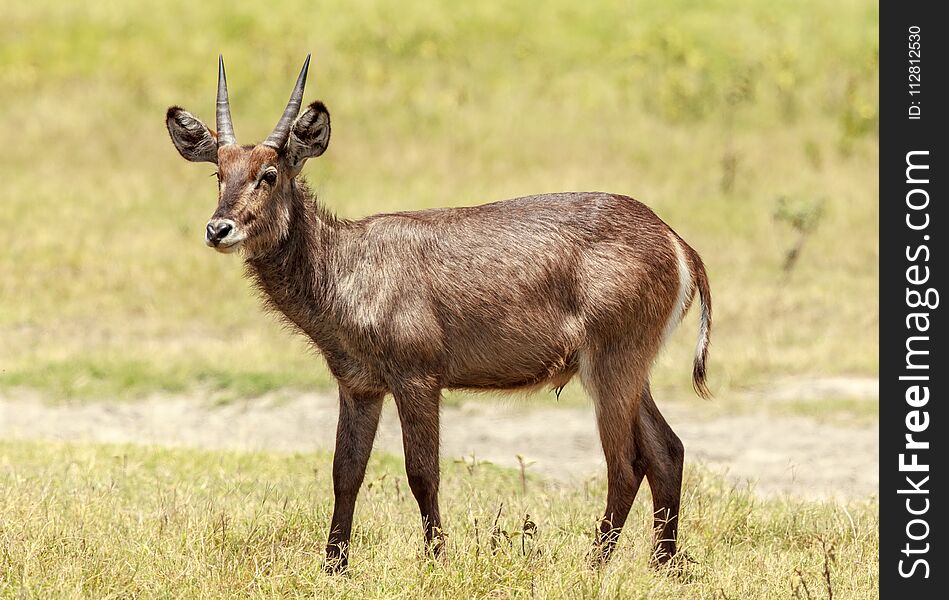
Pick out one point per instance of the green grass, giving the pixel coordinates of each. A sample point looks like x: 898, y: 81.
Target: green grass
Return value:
x: 105, y: 377
x: 736, y: 122
x: 833, y: 409
x: 118, y: 521
x: 710, y: 113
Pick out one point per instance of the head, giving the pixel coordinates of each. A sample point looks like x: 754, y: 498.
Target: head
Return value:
x: 253, y: 210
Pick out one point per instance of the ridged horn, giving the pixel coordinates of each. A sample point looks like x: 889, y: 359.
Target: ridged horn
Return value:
x: 225, y: 128
x: 281, y: 133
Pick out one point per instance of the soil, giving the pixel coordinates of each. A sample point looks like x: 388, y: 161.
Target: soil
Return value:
x: 797, y: 456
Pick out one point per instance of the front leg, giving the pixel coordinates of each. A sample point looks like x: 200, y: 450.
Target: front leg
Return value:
x: 355, y: 433
x: 418, y: 404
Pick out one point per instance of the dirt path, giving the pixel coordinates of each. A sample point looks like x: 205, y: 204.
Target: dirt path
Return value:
x: 792, y: 455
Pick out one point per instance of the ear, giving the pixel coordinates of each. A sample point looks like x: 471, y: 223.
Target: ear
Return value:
x: 309, y: 136
x: 190, y: 136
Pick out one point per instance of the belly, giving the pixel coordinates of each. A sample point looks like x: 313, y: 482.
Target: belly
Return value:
x: 511, y: 358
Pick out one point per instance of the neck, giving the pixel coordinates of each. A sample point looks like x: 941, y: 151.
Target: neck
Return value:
x: 292, y: 274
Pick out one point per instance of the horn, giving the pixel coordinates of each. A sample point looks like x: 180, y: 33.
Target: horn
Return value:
x: 225, y: 129
x: 281, y: 133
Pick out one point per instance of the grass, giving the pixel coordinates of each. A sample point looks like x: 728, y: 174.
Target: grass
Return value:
x: 118, y: 521
x: 833, y: 409
x: 839, y: 407
x: 724, y: 117
x: 749, y: 126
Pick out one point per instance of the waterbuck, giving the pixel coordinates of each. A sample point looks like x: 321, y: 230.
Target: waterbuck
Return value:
x: 513, y: 295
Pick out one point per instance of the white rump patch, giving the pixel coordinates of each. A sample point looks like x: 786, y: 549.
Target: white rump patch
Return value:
x: 685, y: 290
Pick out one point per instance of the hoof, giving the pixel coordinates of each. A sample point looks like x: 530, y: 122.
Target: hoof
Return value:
x: 600, y: 555
x: 336, y: 561
x: 603, y: 545
x: 671, y: 564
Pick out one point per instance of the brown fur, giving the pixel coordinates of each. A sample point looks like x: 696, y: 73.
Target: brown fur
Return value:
x: 511, y: 295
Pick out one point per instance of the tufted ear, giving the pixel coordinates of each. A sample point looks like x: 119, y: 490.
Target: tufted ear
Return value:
x: 309, y: 136
x: 190, y: 136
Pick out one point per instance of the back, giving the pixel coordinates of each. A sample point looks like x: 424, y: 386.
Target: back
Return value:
x: 519, y: 281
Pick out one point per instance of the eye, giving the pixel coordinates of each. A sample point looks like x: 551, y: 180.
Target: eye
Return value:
x: 269, y: 176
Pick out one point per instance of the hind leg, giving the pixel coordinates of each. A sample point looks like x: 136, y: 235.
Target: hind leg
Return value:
x: 660, y: 456
x: 615, y: 381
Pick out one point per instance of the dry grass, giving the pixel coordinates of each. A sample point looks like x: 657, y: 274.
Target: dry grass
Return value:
x: 749, y: 126
x: 120, y: 521
x: 710, y: 113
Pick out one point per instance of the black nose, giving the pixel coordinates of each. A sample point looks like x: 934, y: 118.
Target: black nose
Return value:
x: 218, y: 230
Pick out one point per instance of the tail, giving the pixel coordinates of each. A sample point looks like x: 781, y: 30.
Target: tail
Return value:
x: 699, y: 372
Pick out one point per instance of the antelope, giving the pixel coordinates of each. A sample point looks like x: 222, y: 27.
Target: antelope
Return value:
x: 513, y: 295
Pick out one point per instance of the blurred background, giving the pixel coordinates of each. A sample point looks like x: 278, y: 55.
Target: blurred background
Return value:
x: 137, y: 367
x: 750, y: 127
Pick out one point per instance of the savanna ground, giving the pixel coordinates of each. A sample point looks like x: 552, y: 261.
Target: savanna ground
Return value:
x: 749, y: 126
